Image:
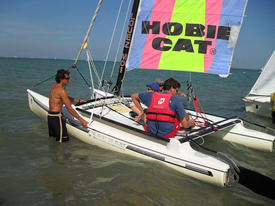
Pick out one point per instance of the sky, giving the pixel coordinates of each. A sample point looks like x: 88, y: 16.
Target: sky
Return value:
x: 56, y: 29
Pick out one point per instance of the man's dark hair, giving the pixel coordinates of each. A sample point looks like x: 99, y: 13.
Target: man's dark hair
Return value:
x: 171, y: 83
x: 60, y: 74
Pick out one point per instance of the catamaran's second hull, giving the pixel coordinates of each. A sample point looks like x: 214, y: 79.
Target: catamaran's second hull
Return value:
x: 233, y: 130
x: 258, y: 105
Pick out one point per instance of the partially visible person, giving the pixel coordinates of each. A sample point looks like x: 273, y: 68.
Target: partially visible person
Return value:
x: 272, y: 102
x: 58, y: 96
x: 153, y: 87
x: 165, y: 111
x: 160, y: 82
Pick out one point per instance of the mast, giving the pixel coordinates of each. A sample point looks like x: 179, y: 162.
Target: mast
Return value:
x: 84, y: 44
x: 129, y: 35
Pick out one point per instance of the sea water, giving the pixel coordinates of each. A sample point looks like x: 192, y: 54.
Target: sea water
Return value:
x: 37, y: 170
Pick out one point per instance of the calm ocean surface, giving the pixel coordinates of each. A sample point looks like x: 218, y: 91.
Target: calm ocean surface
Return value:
x: 36, y: 170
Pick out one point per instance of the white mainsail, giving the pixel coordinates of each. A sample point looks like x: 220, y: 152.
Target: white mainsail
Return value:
x: 265, y: 84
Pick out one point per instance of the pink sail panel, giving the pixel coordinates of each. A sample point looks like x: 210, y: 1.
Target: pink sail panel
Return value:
x: 212, y: 17
x: 151, y: 57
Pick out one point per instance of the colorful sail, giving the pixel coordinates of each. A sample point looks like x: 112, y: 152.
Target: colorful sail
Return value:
x: 185, y: 35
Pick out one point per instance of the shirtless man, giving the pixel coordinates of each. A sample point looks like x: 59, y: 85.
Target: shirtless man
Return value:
x: 58, y: 96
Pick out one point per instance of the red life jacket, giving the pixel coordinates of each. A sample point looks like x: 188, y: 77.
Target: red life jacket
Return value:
x: 160, y: 111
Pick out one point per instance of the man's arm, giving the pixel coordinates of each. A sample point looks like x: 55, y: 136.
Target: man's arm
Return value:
x: 136, y: 101
x: 181, y: 94
x: 186, y: 123
x: 73, y: 100
x: 67, y: 102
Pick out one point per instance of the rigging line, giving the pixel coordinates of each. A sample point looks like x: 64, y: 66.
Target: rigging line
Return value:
x: 93, y: 65
x: 122, y: 87
x: 55, y: 75
x: 256, y: 124
x: 82, y: 76
x: 88, y: 32
x: 213, y: 125
x: 190, y: 89
x: 90, y: 70
x: 111, y: 42
x: 121, y: 36
x: 203, y: 147
x: 85, y: 40
x: 209, y: 120
x: 43, y: 81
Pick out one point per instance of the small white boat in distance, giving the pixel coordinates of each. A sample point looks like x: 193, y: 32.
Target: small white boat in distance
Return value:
x: 258, y: 99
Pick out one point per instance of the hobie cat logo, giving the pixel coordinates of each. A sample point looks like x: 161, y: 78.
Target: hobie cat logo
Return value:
x: 161, y: 101
x: 176, y: 36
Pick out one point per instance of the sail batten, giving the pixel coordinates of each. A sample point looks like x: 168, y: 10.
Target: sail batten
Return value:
x: 186, y: 35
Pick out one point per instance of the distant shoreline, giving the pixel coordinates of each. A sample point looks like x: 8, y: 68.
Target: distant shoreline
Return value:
x: 40, y: 58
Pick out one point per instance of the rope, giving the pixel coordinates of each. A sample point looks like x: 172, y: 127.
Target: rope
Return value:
x: 120, y: 39
x: 197, y: 106
x: 111, y: 42
x: 93, y: 65
x: 258, y: 125
x: 74, y: 66
x: 43, y: 81
x: 90, y: 70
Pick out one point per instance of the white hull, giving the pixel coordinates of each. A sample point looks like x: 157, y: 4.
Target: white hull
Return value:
x: 258, y: 105
x: 258, y: 99
x: 128, y: 137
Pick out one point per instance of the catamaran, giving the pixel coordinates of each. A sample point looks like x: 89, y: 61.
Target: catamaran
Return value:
x: 187, y: 35
x: 258, y: 99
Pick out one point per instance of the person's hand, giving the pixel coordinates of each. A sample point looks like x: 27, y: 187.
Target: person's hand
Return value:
x: 192, y: 122
x: 186, y: 123
x: 84, y: 123
x: 137, y: 118
x: 82, y: 101
x: 181, y: 94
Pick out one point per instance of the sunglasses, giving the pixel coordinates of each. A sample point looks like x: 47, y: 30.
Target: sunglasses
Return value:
x: 67, y: 78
